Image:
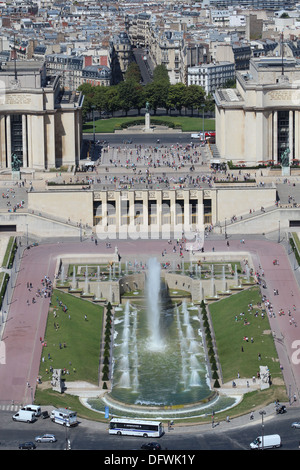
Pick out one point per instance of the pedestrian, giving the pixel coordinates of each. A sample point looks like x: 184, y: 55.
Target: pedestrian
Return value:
x: 251, y: 415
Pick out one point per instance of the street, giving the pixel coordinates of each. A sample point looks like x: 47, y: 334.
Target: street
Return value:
x: 89, y: 435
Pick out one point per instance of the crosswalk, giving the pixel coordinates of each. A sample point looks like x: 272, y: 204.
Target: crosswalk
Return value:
x: 9, y: 407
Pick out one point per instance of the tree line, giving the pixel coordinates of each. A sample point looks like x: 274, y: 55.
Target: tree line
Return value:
x: 131, y: 94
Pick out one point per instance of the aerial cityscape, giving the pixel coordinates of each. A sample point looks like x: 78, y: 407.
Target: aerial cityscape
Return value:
x: 149, y: 171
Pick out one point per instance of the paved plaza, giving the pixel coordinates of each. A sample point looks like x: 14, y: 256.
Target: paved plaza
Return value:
x: 25, y: 324
x: 136, y: 166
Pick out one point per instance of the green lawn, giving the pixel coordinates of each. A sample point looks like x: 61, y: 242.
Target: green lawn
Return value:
x: 187, y: 124
x: 230, y: 335
x: 81, y: 337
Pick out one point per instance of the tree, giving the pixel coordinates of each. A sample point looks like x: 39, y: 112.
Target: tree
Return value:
x: 209, y: 103
x: 133, y: 72
x: 112, y: 99
x: 88, y: 92
x: 157, y: 94
x: 99, y: 98
x: 128, y: 92
x: 160, y: 74
x: 194, y: 97
x: 176, y: 96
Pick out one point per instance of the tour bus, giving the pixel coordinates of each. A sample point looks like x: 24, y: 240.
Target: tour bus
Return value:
x: 135, y: 427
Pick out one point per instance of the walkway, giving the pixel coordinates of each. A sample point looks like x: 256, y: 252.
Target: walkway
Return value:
x: 26, y: 324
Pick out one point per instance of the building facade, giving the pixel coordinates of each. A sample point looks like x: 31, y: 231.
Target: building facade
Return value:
x: 259, y: 121
x: 211, y: 76
x: 39, y: 123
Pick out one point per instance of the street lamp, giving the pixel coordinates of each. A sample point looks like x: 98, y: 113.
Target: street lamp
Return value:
x: 93, y: 107
x: 262, y: 413
x: 203, y: 135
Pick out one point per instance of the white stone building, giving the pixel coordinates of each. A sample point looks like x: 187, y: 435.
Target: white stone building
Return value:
x: 211, y: 76
x: 259, y: 121
x: 39, y: 123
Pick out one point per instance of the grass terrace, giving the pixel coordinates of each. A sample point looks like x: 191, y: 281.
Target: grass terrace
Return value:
x: 186, y: 124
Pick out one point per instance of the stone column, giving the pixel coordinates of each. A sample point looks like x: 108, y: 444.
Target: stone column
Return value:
x: 296, y: 148
x: 270, y: 137
x: 24, y: 140
x: 2, y: 142
x: 29, y: 141
x: 38, y: 143
x: 275, y: 136
x: 8, y: 140
x: 145, y: 228
x: 200, y: 212
x: 291, y: 135
x: 187, y: 215
x: 50, y: 140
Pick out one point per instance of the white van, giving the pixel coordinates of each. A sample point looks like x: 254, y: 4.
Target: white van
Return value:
x: 65, y: 417
x: 35, y: 408
x: 25, y: 416
x: 266, y: 442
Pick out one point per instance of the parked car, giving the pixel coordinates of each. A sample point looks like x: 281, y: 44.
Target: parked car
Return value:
x: 296, y: 425
x: 151, y: 446
x: 46, y: 438
x: 27, y: 445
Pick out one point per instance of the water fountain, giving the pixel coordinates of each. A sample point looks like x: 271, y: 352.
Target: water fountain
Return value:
x: 74, y: 281
x: 159, y: 360
x: 62, y: 274
x: 86, y: 282
x: 153, y: 304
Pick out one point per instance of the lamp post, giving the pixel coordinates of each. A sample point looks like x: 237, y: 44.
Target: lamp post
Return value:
x: 262, y: 413
x: 93, y: 108
x: 203, y: 135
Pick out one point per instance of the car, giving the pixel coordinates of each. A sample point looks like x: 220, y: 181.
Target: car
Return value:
x: 151, y: 446
x: 27, y: 445
x: 46, y: 438
x: 45, y: 414
x: 296, y: 425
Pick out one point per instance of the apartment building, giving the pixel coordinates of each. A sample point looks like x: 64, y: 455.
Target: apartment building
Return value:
x: 211, y: 76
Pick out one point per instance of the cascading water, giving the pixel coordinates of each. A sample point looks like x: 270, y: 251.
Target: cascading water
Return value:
x: 159, y: 357
x: 153, y: 304
x: 172, y: 372
x: 124, y: 360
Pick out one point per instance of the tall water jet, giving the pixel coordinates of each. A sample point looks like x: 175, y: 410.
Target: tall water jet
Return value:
x: 62, y: 275
x: 86, y: 281
x: 153, y: 308
x: 124, y: 361
x: 74, y: 284
x: 224, y: 279
x: 135, y: 379
x: 236, y: 276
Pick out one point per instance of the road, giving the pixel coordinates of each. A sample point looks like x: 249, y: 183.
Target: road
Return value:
x: 147, y: 139
x: 94, y: 436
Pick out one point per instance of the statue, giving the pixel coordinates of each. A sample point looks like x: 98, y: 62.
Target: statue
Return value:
x: 285, y: 161
x: 15, y: 163
x: 147, y: 107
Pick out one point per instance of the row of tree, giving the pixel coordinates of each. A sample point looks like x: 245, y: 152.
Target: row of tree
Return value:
x: 131, y: 94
